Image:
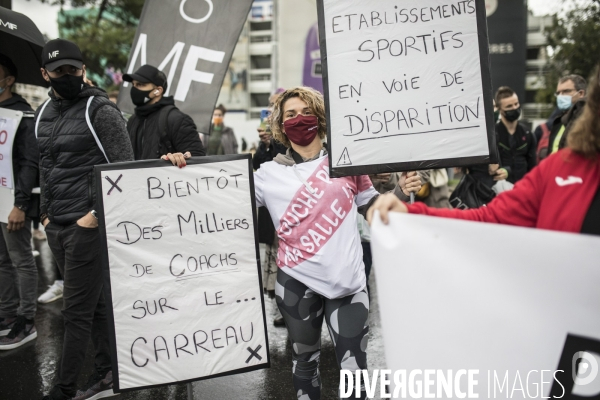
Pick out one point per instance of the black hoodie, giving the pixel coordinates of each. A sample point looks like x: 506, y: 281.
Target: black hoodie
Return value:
x: 25, y: 157
x: 150, y: 143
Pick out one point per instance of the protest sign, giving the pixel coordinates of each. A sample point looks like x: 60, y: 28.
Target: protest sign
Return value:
x: 192, y: 43
x: 506, y: 305
x: 9, y: 122
x: 407, y: 84
x: 182, y: 284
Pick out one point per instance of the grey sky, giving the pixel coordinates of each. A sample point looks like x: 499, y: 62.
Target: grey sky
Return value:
x: 44, y: 15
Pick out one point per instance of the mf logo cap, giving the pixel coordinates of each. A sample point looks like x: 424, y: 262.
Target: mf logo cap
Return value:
x: 59, y: 52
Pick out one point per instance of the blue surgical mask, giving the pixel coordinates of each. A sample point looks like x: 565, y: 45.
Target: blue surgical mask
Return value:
x: 563, y: 102
x: 2, y: 89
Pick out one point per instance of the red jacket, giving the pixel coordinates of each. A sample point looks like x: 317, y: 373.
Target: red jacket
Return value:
x: 555, y: 195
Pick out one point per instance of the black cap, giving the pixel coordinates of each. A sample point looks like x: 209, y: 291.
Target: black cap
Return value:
x: 59, y: 52
x: 146, y: 74
x: 9, y: 65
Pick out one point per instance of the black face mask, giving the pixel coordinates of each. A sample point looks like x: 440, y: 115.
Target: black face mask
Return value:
x: 140, y: 97
x: 67, y: 86
x: 512, y: 115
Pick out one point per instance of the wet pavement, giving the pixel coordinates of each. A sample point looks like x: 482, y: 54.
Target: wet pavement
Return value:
x: 27, y: 373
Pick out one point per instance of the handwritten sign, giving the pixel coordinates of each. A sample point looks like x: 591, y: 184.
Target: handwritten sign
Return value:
x: 9, y: 122
x: 183, y: 281
x: 407, y: 84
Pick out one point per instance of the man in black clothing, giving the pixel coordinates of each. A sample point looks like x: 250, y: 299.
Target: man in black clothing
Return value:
x: 267, y: 148
x: 76, y: 129
x: 570, y: 100
x: 18, y: 272
x: 158, y: 127
x: 516, y: 145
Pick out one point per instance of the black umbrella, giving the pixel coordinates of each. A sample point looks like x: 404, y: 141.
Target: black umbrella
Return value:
x: 22, y: 42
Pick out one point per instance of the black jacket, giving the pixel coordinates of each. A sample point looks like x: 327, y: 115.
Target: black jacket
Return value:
x: 264, y: 155
x: 69, y: 151
x: 518, y: 157
x: 566, y: 119
x: 25, y: 157
x: 145, y: 132
x: 266, y: 230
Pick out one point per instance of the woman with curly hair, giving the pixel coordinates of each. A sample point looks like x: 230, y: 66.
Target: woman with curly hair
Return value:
x: 321, y: 272
x: 562, y: 193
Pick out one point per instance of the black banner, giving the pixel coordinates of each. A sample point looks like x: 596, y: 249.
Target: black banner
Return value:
x: 191, y: 41
x: 507, y: 30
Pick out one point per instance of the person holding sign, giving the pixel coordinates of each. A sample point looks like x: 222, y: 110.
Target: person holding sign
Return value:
x: 77, y: 128
x: 561, y: 194
x: 321, y: 273
x: 158, y: 127
x: 18, y: 273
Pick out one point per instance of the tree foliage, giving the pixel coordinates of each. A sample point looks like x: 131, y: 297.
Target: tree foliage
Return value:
x: 104, y: 35
x: 574, y: 40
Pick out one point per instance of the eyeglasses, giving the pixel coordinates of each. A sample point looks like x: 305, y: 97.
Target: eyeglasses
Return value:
x: 564, y: 92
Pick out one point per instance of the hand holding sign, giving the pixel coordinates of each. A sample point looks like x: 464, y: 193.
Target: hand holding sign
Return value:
x: 177, y: 159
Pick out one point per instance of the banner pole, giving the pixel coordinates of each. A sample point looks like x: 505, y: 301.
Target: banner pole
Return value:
x: 190, y: 391
x: 412, y: 198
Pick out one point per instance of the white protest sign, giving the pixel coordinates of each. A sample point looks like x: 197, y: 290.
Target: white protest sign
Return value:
x: 407, y: 84
x: 502, y: 308
x: 184, y: 275
x: 9, y: 123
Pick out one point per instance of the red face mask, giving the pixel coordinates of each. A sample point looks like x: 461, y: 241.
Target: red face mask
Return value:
x: 302, y: 130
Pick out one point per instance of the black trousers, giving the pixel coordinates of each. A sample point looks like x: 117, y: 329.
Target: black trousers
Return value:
x: 77, y: 253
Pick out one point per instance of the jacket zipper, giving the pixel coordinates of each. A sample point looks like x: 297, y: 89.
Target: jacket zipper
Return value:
x: 90, y: 200
x: 49, y: 197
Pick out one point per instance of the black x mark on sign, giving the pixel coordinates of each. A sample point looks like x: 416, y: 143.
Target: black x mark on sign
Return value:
x: 254, y: 353
x: 114, y: 184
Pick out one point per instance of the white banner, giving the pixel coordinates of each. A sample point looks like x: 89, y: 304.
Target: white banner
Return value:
x: 500, y: 309
x: 9, y: 123
x: 184, y: 276
x: 407, y: 84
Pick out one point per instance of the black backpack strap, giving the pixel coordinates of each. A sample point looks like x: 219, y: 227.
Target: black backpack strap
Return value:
x: 163, y: 126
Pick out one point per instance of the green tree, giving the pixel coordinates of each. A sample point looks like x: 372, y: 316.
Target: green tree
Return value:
x: 104, y: 32
x: 574, y: 40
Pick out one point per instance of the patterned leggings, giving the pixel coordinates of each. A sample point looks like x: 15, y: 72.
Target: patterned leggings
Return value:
x: 303, y: 311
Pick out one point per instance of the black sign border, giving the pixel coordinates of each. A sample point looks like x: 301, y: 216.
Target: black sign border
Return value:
x: 98, y: 169
x: 486, y: 77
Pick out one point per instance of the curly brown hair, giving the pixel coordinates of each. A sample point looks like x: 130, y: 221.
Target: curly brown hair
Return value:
x: 584, y: 137
x: 311, y: 97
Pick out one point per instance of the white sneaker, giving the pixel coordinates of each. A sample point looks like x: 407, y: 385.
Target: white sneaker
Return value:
x: 53, y: 293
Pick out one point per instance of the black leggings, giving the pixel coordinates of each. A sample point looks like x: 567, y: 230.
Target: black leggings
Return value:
x: 303, y: 311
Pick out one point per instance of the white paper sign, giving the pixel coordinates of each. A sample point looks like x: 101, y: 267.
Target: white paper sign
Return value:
x: 507, y: 302
x: 185, y: 285
x: 407, y: 84
x: 9, y: 123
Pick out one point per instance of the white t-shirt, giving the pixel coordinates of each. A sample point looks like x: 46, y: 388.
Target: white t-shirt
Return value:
x: 315, y: 217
